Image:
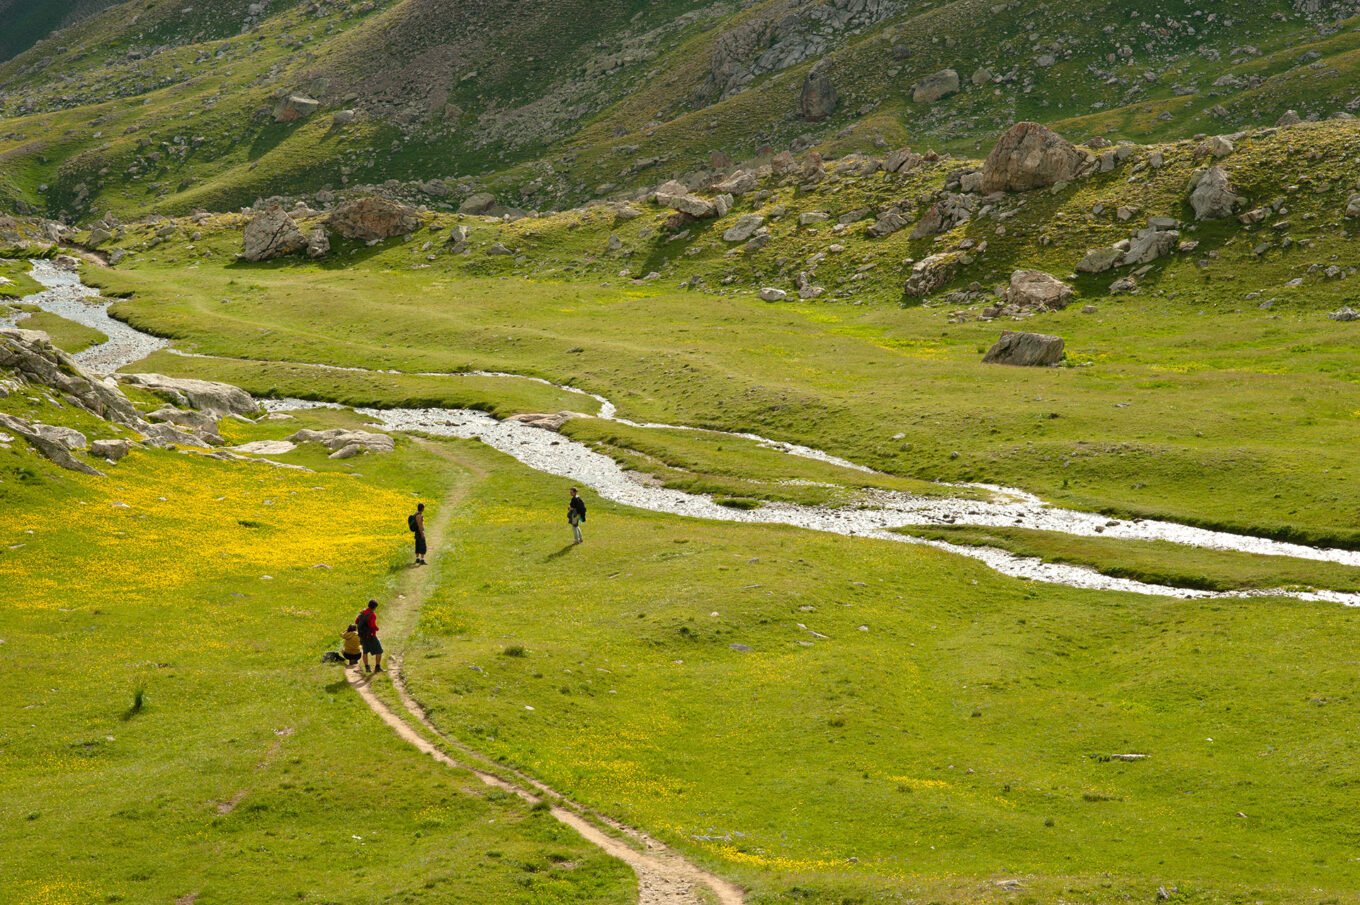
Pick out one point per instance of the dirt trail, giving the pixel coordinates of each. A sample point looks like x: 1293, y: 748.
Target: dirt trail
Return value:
x: 664, y: 876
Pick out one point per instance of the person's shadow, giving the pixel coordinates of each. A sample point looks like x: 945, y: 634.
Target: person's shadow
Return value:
x: 559, y: 554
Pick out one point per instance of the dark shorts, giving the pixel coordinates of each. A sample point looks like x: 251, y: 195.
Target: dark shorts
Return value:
x: 370, y: 644
x: 352, y: 658
x: 420, y: 545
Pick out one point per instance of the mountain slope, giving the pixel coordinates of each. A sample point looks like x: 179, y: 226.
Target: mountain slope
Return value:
x: 549, y: 103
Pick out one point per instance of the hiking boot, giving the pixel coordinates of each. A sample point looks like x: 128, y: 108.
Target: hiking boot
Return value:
x: 377, y: 669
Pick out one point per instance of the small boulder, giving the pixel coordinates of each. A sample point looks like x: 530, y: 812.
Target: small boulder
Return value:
x: 343, y: 117
x: 771, y: 294
x: 373, y: 218
x: 1099, y: 260
x: 818, y: 98
x: 294, y: 107
x: 889, y: 222
x: 932, y: 273
x: 1289, y: 118
x: 744, y: 228
x: 112, y: 450
x: 478, y: 204
x: 935, y: 87
x: 345, y: 444
x: 742, y: 182
x: 1036, y: 290
x: 1033, y: 350
x: 1345, y: 315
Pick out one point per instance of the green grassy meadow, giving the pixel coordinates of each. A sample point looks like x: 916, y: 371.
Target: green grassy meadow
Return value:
x: 837, y: 720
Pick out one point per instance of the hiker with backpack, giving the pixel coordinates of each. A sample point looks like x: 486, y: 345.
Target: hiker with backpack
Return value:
x: 576, y: 514
x: 416, y: 522
x: 367, y: 625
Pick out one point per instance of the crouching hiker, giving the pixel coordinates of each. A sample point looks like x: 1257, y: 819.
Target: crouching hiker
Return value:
x: 367, y: 625
x: 351, y: 646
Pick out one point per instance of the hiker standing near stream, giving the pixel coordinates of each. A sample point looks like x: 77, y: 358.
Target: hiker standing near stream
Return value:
x: 576, y: 514
x: 416, y: 522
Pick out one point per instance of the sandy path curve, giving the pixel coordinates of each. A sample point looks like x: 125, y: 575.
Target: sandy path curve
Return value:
x: 664, y: 876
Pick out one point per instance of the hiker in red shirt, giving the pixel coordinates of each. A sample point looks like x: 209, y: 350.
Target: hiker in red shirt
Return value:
x: 367, y: 622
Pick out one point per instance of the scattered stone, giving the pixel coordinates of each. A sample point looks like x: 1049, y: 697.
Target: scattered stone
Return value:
x: 1026, y: 350
x: 1217, y: 146
x: 770, y: 294
x: 346, y: 444
x: 1289, y: 118
x: 1345, y: 314
x: 742, y: 182
x: 51, y: 449
x: 1099, y: 260
x: 889, y: 222
x: 344, y: 117
x: 265, y: 447
x: 548, y: 422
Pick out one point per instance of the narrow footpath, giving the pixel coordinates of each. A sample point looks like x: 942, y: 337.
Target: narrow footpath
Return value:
x: 665, y: 877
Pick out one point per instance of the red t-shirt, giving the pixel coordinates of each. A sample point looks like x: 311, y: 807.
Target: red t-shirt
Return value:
x: 367, y: 622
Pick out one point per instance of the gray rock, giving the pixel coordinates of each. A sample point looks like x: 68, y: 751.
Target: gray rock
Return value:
x: 1345, y: 314
x: 34, y: 360
x: 770, y: 294
x: 1353, y: 206
x: 742, y: 182
x: 1212, y: 194
x: 1036, y: 290
x: 68, y: 437
x: 1033, y: 350
x: 889, y: 222
x: 344, y: 117
x: 686, y: 203
x: 1290, y: 118
x: 744, y: 228
x: 112, y: 450
x: 1150, y: 244
x: 201, y: 424
x: 344, y: 443
x: 548, y: 422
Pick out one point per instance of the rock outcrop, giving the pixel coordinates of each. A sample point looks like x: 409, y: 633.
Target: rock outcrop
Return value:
x: 217, y: 399
x: 1034, y: 350
x: 373, y: 219
x: 1030, y: 156
x: 39, y: 437
x: 271, y: 233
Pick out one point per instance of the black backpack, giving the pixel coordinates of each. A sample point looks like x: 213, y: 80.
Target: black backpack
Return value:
x: 411, y: 521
